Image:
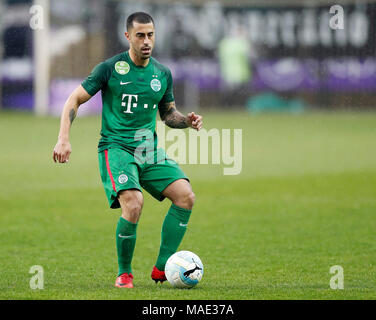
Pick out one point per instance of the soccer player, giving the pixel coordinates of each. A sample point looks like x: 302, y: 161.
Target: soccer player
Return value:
x: 134, y: 86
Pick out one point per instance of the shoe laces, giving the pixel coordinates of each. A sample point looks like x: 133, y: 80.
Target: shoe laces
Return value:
x: 125, y: 276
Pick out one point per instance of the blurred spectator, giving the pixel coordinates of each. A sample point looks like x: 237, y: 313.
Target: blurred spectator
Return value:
x: 235, y: 64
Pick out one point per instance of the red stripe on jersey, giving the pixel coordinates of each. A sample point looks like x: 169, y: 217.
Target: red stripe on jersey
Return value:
x: 109, y: 170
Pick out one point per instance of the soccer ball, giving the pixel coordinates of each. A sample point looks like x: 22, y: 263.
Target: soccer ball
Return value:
x: 184, y: 269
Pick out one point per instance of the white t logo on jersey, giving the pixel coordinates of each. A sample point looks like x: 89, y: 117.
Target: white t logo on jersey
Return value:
x: 129, y: 104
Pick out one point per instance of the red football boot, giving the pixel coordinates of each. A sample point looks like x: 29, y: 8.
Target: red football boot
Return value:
x: 125, y: 280
x: 157, y: 275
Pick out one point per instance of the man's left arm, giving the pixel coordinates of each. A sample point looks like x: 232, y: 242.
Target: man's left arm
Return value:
x: 175, y: 119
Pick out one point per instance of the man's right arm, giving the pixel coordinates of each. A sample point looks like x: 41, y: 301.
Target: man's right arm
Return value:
x: 63, y: 147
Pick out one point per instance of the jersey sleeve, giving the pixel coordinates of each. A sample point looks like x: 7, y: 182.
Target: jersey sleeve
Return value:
x: 169, y: 93
x: 97, y: 79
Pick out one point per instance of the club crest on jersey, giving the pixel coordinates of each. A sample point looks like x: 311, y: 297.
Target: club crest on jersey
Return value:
x: 122, y: 67
x: 156, y: 85
x: 123, y: 178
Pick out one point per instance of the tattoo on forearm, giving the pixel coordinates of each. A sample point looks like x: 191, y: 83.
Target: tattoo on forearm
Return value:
x: 172, y: 117
x: 175, y: 119
x: 72, y: 115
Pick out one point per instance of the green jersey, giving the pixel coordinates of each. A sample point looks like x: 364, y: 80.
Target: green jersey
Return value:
x: 131, y: 95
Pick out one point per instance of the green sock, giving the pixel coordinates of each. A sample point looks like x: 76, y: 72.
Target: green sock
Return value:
x: 173, y: 230
x: 125, y: 243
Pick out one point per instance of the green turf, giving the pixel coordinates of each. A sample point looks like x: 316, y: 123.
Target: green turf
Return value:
x: 305, y: 201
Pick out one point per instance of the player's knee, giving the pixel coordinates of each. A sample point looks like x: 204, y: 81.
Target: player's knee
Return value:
x: 187, y: 200
x: 134, y: 207
x: 191, y: 199
x: 132, y: 211
x: 131, y: 205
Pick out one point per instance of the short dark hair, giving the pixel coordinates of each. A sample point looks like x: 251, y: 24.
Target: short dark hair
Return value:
x: 140, y: 17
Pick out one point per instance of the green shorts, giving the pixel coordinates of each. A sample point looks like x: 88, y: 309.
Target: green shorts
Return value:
x: 120, y: 170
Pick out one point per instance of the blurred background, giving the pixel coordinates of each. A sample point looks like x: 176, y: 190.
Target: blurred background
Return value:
x: 297, y: 77
x: 260, y: 55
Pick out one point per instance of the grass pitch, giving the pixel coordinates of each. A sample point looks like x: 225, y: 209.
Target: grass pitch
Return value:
x: 304, y: 201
